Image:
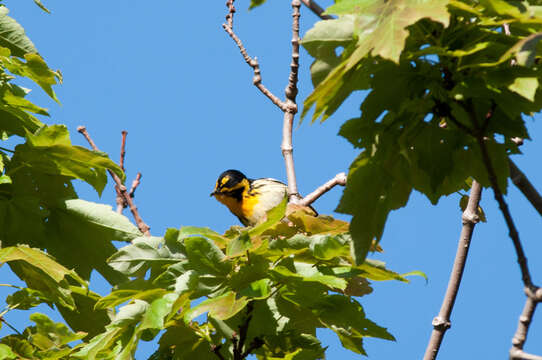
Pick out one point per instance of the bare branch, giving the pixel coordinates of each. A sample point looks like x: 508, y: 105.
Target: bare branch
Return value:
x: 513, y: 233
x: 9, y: 325
x: 516, y: 354
x: 231, y: 11
x: 135, y: 184
x: 291, y: 108
x: 252, y: 62
x: 441, y: 323
x: 524, y: 185
x: 523, y: 327
x: 144, y: 228
x: 121, y: 204
x: 339, y: 179
x: 123, y: 150
x: 315, y: 8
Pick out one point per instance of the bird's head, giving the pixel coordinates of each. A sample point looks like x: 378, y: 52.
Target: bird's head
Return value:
x: 231, y: 183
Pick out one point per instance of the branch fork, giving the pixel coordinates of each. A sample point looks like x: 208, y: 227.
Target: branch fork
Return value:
x: 121, y: 189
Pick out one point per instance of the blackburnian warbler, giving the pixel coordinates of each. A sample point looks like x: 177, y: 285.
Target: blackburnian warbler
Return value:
x: 248, y: 199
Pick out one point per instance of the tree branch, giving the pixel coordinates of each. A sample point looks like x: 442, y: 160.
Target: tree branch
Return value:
x: 512, y: 231
x: 291, y: 108
x: 441, y: 323
x: 524, y: 185
x: 339, y: 179
x: 135, y: 184
x: 144, y: 228
x: 252, y: 62
x: 315, y: 8
x: 121, y: 204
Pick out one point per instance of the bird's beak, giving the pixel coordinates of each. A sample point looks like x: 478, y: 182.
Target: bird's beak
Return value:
x: 214, y: 193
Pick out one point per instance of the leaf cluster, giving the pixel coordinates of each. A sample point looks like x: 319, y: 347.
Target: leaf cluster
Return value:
x: 262, y: 290
x: 443, y: 77
x: 43, y: 224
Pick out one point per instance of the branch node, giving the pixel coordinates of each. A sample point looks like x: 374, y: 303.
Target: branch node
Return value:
x: 441, y: 324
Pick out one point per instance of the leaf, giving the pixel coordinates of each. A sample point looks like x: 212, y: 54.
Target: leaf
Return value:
x: 48, y: 334
x: 118, y: 297
x: 12, y: 35
x: 219, y: 240
x: 80, y: 234
x: 307, y: 273
x: 37, y: 259
x: 50, y: 152
x: 256, y: 3
x: 382, y: 23
x: 247, y: 239
x: 6, y: 353
x: 205, y: 256
x: 221, y: 307
x: 525, y: 87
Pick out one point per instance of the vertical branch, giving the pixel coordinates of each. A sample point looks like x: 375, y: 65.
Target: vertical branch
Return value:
x: 121, y: 204
x: 441, y: 323
x: 291, y: 107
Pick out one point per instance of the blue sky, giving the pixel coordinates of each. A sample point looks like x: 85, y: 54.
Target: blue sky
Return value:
x: 167, y: 73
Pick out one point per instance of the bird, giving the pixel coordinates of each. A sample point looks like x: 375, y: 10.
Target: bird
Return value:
x: 248, y: 199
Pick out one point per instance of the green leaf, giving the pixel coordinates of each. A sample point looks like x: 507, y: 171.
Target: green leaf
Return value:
x: 141, y: 255
x: 37, y: 259
x: 205, y: 256
x: 187, y: 231
x: 308, y: 273
x: 6, y: 353
x: 248, y: 239
x: 49, y: 151
x: 12, y: 35
x: 382, y: 23
x: 256, y: 3
x: 80, y: 234
x: 49, y: 334
x: 221, y: 307
x: 525, y: 87
x: 259, y: 289
x: 118, y: 297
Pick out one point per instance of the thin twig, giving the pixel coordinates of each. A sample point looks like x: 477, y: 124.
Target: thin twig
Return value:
x: 121, y: 204
x: 123, y: 149
x: 144, y: 228
x: 135, y: 184
x: 8, y: 150
x: 512, y: 231
x: 252, y: 62
x: 524, y: 185
x: 441, y: 323
x: 9, y: 325
x: 291, y: 108
x: 315, y: 8
x: 339, y: 179
x: 503, y: 206
x: 523, y: 327
x: 231, y: 11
